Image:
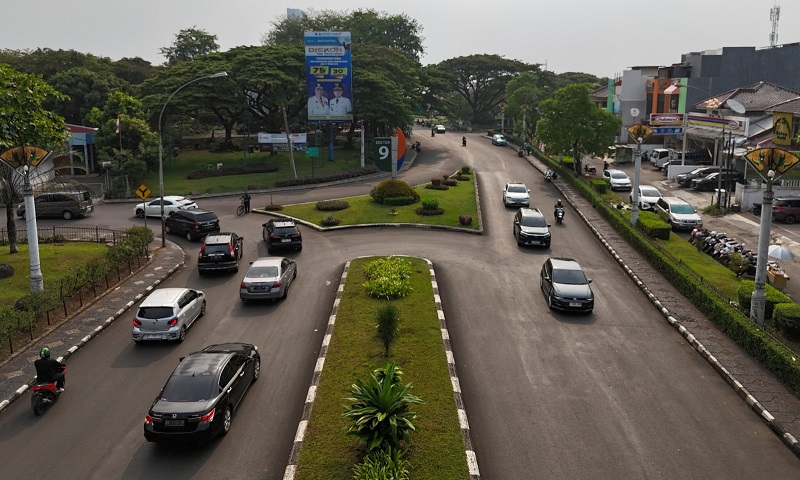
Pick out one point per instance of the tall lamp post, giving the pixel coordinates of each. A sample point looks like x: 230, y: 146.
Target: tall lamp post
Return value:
x: 161, y: 149
x: 36, y: 279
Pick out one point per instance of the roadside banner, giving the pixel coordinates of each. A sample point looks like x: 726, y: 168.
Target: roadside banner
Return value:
x: 329, y: 80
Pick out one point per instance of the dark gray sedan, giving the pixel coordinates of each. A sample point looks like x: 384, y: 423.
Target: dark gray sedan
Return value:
x: 268, y: 278
x: 565, y: 286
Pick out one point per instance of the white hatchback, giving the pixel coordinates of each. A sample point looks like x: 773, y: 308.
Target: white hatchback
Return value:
x: 617, y: 179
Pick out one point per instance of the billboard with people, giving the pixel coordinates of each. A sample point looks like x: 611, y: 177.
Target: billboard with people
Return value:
x: 329, y: 76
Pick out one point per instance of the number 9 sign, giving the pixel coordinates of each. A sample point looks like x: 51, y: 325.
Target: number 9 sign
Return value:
x: 382, y: 153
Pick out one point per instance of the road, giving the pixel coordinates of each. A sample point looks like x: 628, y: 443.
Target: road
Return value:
x: 617, y: 394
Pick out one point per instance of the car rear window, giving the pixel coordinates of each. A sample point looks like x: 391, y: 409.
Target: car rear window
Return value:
x: 285, y: 230
x: 189, y: 388
x: 262, y: 272
x: 217, y: 248
x: 206, y: 217
x: 154, y: 313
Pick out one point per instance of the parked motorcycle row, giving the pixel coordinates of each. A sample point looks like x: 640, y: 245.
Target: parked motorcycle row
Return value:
x: 720, y: 247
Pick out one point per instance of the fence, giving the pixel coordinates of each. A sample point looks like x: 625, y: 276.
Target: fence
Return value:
x: 69, y: 233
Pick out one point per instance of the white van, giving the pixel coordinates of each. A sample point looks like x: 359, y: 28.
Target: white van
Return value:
x: 659, y: 156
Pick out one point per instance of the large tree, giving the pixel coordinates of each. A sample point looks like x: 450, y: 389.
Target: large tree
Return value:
x: 190, y: 44
x: 572, y: 123
x: 481, y: 80
x: 85, y: 88
x: 25, y: 123
x: 523, y: 96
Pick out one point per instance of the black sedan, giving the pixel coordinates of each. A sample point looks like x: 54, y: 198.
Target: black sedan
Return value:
x: 198, y: 400
x: 565, y: 286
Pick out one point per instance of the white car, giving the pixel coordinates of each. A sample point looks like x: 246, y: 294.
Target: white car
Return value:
x: 648, y: 196
x: 516, y: 195
x: 440, y: 129
x: 617, y: 179
x: 172, y: 204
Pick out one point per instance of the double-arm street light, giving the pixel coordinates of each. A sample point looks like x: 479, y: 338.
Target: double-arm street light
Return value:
x: 161, y: 149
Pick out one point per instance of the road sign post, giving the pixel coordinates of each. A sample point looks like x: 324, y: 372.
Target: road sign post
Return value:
x: 143, y: 192
x: 382, y: 153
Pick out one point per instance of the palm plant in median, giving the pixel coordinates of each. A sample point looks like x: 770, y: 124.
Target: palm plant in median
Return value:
x: 380, y: 409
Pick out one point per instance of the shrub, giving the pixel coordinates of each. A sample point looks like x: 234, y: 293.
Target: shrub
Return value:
x: 600, y: 185
x: 774, y: 297
x: 435, y: 182
x: 382, y: 465
x: 332, y: 205
x: 273, y: 207
x: 231, y: 170
x: 429, y: 212
x: 465, y: 220
x: 439, y: 186
x: 652, y: 225
x: 388, y: 322
x: 465, y: 169
x: 393, y: 188
x: 329, y: 221
x: 333, y: 177
x: 450, y: 182
x: 786, y: 317
x: 396, y: 201
x: 379, y: 410
x: 388, y: 278
x: 430, y: 204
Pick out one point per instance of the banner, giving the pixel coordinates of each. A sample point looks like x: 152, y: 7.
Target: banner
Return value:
x: 281, y: 137
x: 329, y: 83
x: 781, y: 128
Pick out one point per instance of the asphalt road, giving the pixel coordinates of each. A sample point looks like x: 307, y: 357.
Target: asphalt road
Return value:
x: 616, y: 394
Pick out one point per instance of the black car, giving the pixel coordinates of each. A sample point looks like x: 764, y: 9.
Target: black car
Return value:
x: 192, y: 223
x: 279, y: 234
x: 786, y: 209
x: 710, y: 182
x: 685, y: 179
x: 220, y: 251
x: 530, y: 228
x: 198, y: 400
x: 565, y: 285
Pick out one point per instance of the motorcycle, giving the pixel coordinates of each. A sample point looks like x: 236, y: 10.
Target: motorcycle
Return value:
x: 559, y: 214
x: 756, y: 209
x: 44, y: 395
x: 463, y: 141
x: 521, y: 153
x: 590, y: 169
x: 550, y: 175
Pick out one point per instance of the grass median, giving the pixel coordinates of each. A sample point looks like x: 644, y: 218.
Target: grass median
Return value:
x: 436, y: 450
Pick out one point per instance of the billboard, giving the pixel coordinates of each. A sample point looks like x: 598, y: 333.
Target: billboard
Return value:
x: 329, y: 71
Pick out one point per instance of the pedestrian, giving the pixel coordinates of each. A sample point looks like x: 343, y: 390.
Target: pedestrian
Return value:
x: 246, y: 201
x: 605, y: 165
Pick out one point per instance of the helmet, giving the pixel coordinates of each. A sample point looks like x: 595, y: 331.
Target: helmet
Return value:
x: 44, y: 352
x: 558, y: 202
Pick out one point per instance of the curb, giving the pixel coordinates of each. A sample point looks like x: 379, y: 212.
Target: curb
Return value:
x: 787, y: 438
x: 5, y: 403
x: 472, y: 462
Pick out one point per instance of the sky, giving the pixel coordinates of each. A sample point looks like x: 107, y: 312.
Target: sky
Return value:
x: 602, y: 38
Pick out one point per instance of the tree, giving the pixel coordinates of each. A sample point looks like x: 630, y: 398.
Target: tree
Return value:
x: 190, y: 44
x: 481, y: 80
x: 523, y: 96
x: 25, y: 122
x: 85, y: 89
x: 572, y: 123
x: 133, y: 70
x: 47, y: 62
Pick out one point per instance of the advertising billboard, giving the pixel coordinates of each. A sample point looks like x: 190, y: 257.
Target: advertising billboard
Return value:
x: 329, y: 71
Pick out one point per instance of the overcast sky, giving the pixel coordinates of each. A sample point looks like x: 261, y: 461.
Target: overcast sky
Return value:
x: 601, y: 37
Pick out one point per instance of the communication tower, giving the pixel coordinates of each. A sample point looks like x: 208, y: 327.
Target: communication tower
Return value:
x: 774, y: 15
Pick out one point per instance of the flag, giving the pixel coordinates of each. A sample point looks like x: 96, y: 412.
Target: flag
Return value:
x: 117, y: 130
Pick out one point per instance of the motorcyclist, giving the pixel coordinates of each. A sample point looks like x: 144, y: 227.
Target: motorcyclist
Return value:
x: 464, y: 141
x: 558, y: 206
x: 246, y: 202
x: 49, y: 370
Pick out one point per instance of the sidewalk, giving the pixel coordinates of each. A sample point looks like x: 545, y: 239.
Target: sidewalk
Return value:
x: 762, y: 392
x: 18, y: 372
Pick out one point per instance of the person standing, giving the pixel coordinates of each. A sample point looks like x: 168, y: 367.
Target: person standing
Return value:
x: 318, y: 105
x: 246, y: 201
x: 340, y: 105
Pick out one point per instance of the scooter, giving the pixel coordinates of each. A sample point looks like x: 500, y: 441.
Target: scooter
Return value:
x: 550, y: 175
x: 559, y: 215
x: 590, y: 169
x: 44, y: 395
x: 520, y: 153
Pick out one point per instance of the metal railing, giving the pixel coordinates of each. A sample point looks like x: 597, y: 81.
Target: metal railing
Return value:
x: 68, y: 233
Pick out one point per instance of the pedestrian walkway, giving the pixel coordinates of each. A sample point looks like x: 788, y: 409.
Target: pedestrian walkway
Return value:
x: 765, y: 394
x: 18, y: 372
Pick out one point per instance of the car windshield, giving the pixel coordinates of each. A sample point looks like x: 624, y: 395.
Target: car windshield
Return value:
x: 682, y: 209
x: 650, y: 192
x: 517, y: 189
x: 189, y: 388
x: 263, y: 272
x: 153, y: 313
x: 568, y: 277
x: 533, y: 222
x: 619, y: 175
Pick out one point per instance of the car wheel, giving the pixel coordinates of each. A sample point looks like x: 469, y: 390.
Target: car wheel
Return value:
x: 789, y: 219
x: 140, y: 213
x: 189, y: 236
x: 182, y: 334
x: 256, y: 369
x: 285, y: 292
x: 67, y: 215
x: 203, y: 309
x: 167, y: 229
x: 226, y: 420
x: 170, y: 214
x: 300, y: 248
x: 236, y: 268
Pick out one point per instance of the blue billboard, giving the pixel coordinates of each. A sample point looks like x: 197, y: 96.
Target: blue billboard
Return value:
x: 329, y: 74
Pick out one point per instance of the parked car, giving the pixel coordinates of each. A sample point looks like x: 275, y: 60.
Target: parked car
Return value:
x: 268, y: 278
x: 786, y: 209
x: 516, y: 194
x: 530, y: 228
x: 220, y: 251
x: 617, y: 179
x: 66, y: 204
x: 192, y: 224
x: 685, y: 179
x: 172, y: 204
x: 198, y: 401
x: 677, y: 161
x: 440, y: 129
x: 659, y: 156
x: 565, y: 285
x: 167, y: 313
x: 500, y: 140
x: 648, y: 195
x: 710, y: 182
x: 282, y: 234
x: 678, y: 213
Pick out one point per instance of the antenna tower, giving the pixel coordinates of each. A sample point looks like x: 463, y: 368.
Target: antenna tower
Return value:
x: 774, y: 15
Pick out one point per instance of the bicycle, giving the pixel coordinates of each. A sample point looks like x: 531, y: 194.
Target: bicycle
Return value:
x: 240, y: 210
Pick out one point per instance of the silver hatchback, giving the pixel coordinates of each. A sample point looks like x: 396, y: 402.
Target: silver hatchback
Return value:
x: 167, y: 313
x: 268, y: 278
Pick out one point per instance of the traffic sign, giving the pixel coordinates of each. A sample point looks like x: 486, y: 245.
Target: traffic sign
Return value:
x: 312, y: 151
x: 640, y: 131
x: 143, y: 192
x: 667, y: 130
x: 382, y: 152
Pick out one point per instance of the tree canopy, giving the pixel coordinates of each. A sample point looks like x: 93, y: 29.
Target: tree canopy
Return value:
x: 190, y: 44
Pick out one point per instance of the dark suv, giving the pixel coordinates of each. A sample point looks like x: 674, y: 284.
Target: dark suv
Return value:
x: 530, y: 228
x: 685, y: 179
x: 282, y: 234
x: 192, y: 223
x: 220, y: 251
x: 786, y: 209
x: 710, y: 182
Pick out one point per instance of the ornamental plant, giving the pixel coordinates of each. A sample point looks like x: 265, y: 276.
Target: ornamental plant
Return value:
x: 388, y: 278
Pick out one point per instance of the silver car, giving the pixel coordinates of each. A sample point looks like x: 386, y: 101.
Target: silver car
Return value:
x: 167, y: 313
x: 268, y: 278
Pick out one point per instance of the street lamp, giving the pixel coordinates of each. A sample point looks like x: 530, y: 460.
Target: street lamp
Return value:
x: 36, y: 279
x: 161, y: 150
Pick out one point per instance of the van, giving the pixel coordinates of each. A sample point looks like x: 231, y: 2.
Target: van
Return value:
x: 659, y: 156
x: 67, y: 204
x: 678, y: 213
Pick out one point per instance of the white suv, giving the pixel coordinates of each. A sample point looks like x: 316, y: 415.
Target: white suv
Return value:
x: 167, y: 313
x: 678, y: 213
x: 617, y: 179
x: 516, y: 195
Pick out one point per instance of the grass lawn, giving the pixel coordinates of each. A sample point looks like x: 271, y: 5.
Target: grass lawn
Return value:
x: 456, y: 201
x: 57, y: 261
x: 436, y: 449
x: 176, y: 183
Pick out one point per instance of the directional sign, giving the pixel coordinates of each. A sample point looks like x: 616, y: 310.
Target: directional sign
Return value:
x: 143, y: 192
x: 382, y: 153
x: 312, y: 151
x: 667, y: 130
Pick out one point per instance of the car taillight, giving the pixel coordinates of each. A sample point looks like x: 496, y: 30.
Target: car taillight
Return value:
x: 243, y: 286
x: 173, y: 322
x: 230, y: 249
x: 274, y: 237
x: 149, y: 420
x: 137, y: 323
x: 202, y: 249
x: 196, y: 225
x: 277, y: 285
x: 777, y: 207
x: 208, y: 417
